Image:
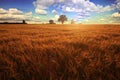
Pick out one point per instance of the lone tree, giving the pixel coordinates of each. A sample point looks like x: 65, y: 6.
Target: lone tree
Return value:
x: 24, y: 22
x: 51, y: 22
x: 62, y: 18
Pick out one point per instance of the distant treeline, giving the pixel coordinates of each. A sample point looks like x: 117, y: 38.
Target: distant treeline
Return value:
x: 23, y: 22
x: 12, y: 23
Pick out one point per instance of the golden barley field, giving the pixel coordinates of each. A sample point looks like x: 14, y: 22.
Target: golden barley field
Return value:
x: 59, y: 52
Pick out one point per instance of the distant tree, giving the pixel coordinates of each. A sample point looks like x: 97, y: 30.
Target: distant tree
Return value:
x: 24, y: 22
x: 72, y: 21
x: 51, y: 22
x: 5, y: 22
x: 62, y: 18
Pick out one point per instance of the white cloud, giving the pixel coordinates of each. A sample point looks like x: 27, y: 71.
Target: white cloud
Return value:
x: 36, y: 19
x: 106, y: 8
x: 70, y: 9
x: 55, y: 18
x: 14, y: 11
x: 40, y: 11
x: 54, y: 11
x: 85, y: 5
x: 10, y: 11
x: 116, y: 15
x: 81, y: 16
x: 29, y: 14
x: 14, y: 14
x: 70, y: 6
x: 3, y: 11
x: 42, y: 5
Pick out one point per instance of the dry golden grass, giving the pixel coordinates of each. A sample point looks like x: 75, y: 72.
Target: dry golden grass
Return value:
x: 59, y: 52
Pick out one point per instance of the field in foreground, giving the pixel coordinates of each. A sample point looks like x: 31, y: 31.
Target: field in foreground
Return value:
x: 59, y: 52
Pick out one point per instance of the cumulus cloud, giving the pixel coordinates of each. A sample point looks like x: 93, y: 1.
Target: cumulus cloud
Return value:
x: 55, y: 18
x: 11, y: 11
x: 3, y: 11
x: 81, y: 16
x: 40, y: 11
x: 42, y: 5
x: 54, y: 11
x: 14, y: 15
x: 85, y: 5
x: 15, y: 11
x: 35, y: 19
x: 77, y: 6
x: 106, y: 8
x: 71, y: 9
x: 116, y: 15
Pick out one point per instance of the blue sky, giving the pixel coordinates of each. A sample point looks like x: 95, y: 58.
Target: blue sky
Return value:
x: 41, y: 11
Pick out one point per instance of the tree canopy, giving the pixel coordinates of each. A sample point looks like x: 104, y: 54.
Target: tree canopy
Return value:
x: 62, y: 18
x: 51, y: 22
